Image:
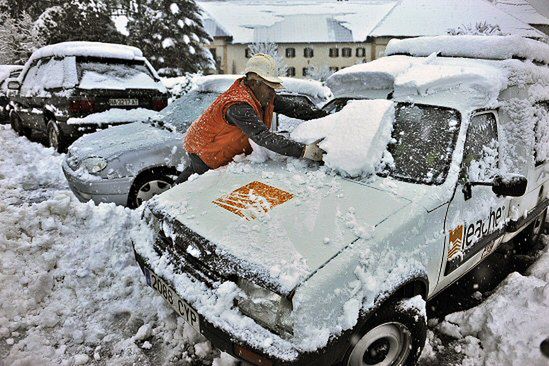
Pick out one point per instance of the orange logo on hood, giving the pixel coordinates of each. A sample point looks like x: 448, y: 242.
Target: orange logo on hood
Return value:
x: 253, y: 199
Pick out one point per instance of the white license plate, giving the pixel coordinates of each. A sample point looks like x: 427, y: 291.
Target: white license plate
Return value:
x: 123, y: 102
x: 169, y: 294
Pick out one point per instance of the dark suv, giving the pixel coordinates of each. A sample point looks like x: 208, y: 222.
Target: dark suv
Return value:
x: 72, y: 88
x: 7, y: 72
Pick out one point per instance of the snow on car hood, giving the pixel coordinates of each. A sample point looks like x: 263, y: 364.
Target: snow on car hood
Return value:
x: 280, y: 221
x: 115, y: 141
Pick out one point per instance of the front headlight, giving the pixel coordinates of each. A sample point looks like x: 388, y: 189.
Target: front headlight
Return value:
x: 267, y: 308
x: 94, y: 165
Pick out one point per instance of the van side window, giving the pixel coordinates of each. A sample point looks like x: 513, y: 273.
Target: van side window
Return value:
x: 480, y: 155
x: 541, y: 130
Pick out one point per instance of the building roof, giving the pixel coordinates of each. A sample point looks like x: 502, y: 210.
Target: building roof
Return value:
x: 522, y: 10
x: 248, y: 21
x: 412, y: 18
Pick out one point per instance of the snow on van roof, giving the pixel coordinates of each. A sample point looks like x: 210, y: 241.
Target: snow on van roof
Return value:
x: 311, y: 88
x: 375, y: 75
x: 484, y: 47
x: 90, y: 49
x: 434, y: 17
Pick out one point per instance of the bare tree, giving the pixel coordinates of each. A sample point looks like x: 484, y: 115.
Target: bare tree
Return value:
x: 270, y: 49
x: 18, y: 38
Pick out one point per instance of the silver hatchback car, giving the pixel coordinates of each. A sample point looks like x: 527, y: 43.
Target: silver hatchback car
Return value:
x: 129, y: 164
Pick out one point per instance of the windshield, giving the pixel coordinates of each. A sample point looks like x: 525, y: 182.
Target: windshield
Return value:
x: 185, y: 110
x: 114, y: 74
x: 423, y: 140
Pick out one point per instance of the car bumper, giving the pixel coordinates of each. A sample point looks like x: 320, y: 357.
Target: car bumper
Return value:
x: 99, y: 191
x: 240, y: 349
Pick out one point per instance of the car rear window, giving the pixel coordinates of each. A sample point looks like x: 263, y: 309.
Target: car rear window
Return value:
x: 185, y: 110
x: 423, y: 140
x: 114, y: 74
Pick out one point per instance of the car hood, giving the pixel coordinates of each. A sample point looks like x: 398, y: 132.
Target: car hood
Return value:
x: 279, y: 224
x: 115, y: 141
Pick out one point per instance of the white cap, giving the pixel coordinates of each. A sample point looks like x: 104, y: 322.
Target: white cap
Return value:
x: 264, y: 66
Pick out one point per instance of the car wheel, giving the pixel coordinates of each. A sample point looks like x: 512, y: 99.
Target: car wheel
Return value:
x: 55, y: 137
x: 17, y: 125
x: 394, y: 335
x: 530, y: 236
x: 149, y: 184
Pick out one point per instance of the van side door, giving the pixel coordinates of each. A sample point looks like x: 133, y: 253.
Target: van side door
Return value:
x: 474, y: 224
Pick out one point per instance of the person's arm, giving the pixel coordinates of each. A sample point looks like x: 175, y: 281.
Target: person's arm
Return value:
x: 295, y: 108
x: 244, y: 117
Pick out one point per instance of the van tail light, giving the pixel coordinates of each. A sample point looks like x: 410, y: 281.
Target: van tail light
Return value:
x: 81, y: 105
x: 160, y: 103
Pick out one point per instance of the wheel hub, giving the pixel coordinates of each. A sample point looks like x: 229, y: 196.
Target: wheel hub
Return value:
x: 151, y: 189
x: 387, y: 344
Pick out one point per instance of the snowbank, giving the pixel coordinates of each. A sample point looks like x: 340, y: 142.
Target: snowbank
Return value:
x: 355, y: 153
x: 485, y: 47
x: 509, y: 326
x: 71, y: 291
x: 115, y: 115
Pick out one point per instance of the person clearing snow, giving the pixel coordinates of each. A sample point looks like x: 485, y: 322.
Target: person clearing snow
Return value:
x: 243, y: 112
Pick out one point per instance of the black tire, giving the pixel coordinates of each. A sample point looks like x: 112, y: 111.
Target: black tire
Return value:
x: 164, y: 178
x: 17, y: 125
x: 375, y: 342
x: 528, y: 238
x: 55, y: 136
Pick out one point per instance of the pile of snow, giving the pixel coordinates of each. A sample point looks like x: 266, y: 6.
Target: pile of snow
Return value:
x: 509, y: 326
x: 71, y: 291
x: 483, y: 47
x: 356, y: 153
x: 115, y: 115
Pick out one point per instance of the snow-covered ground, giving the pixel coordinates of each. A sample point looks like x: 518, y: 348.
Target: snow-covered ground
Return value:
x: 72, y: 294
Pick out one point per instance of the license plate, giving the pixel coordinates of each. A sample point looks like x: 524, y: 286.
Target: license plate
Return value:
x: 123, y: 102
x: 168, y: 293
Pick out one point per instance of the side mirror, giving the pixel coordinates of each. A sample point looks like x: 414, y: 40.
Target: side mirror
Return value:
x: 513, y: 186
x: 14, y: 84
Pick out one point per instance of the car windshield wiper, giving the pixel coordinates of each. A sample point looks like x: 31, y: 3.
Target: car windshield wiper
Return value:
x: 158, y: 123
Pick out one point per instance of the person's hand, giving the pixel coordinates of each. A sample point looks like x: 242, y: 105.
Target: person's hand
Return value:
x: 313, y: 152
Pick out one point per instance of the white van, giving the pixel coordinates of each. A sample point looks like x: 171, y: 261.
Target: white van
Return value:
x: 282, y: 262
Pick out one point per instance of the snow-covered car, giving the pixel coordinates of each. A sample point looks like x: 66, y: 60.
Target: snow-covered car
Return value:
x: 7, y: 72
x: 68, y: 89
x: 283, y: 263
x: 130, y: 164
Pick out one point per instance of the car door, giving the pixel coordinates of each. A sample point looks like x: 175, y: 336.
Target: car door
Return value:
x: 475, y: 219
x: 27, y: 97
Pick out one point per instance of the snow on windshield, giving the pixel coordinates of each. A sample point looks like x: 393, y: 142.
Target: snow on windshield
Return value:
x: 185, y: 110
x: 356, y: 153
x: 116, y: 75
x: 115, y: 115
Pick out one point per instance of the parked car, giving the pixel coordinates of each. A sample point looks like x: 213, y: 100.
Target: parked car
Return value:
x: 6, y: 72
x: 72, y: 88
x: 130, y: 164
x: 280, y: 263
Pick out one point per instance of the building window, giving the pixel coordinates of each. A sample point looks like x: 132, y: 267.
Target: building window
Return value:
x: 360, y: 52
x: 346, y: 52
x: 333, y: 69
x: 305, y: 71
x: 334, y: 52
x: 290, y: 52
x: 290, y: 72
x: 248, y: 53
x: 308, y: 52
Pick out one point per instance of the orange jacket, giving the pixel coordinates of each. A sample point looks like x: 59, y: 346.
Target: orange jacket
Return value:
x: 215, y: 140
